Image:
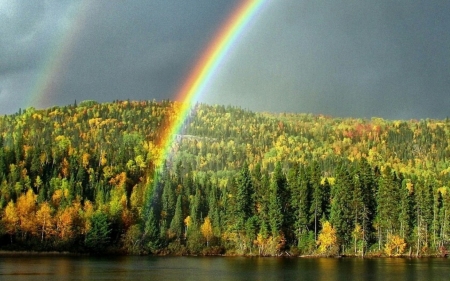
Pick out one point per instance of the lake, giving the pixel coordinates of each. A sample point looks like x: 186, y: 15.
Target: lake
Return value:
x: 39, y: 267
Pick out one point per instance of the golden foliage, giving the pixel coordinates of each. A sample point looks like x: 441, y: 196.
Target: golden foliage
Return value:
x: 44, y: 221
x: 395, y: 245
x: 268, y: 246
x: 206, y: 230
x: 188, y: 221
x: 85, y: 160
x: 327, y: 240
x: 10, y: 218
x: 26, y: 207
x: 65, y: 220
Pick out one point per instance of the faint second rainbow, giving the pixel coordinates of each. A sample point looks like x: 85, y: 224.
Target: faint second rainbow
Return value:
x: 53, y: 67
x: 204, y: 69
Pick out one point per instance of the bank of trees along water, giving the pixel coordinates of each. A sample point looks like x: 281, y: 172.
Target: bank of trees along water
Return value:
x: 81, y: 178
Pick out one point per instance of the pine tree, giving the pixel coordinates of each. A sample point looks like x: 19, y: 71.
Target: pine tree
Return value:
x: 151, y: 232
x: 341, y: 215
x: 387, y: 205
x: 245, y: 205
x: 275, y: 210
x: 317, y: 197
x: 168, y: 200
x: 176, y: 225
x: 98, y: 235
x: 298, y: 184
x: 284, y: 198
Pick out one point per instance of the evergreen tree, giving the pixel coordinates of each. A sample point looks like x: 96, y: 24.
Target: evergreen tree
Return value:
x: 341, y: 215
x: 151, y: 232
x: 275, y: 209
x: 168, y: 200
x: 317, y: 197
x: 176, y: 225
x: 245, y: 205
x: 298, y: 184
x: 97, y: 238
x: 387, y: 205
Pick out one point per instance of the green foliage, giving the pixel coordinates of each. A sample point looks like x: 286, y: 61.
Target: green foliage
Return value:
x: 263, y: 180
x: 98, y: 236
x: 176, y: 225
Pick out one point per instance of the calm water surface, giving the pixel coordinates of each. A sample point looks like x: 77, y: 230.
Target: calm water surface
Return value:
x: 220, y: 268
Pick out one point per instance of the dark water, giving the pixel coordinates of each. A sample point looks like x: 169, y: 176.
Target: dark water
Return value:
x: 220, y: 268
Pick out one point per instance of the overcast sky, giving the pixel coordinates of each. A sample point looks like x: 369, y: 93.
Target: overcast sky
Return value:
x: 346, y: 58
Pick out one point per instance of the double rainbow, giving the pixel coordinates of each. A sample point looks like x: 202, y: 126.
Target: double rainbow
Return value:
x: 188, y: 94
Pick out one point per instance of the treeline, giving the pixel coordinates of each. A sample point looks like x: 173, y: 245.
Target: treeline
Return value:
x: 82, y: 178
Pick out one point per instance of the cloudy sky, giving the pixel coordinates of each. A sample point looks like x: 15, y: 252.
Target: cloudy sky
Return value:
x: 348, y: 58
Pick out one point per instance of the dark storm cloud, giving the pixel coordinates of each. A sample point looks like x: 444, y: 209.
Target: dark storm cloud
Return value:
x: 341, y: 58
x: 138, y: 49
x: 18, y: 23
x: 344, y: 58
x: 121, y: 49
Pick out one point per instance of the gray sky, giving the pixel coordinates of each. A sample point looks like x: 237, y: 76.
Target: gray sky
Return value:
x: 348, y: 58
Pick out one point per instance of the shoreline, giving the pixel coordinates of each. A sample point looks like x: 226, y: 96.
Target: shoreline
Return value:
x: 5, y: 253
x: 40, y: 253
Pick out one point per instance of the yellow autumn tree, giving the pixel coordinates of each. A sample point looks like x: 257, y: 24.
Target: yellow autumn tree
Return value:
x: 395, y: 245
x: 267, y: 246
x: 64, y: 223
x: 207, y: 231
x: 327, y: 240
x: 44, y: 221
x: 88, y: 212
x: 26, y: 211
x: 188, y: 222
x: 11, y: 219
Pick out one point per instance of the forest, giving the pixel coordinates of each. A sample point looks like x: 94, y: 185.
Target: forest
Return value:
x: 83, y: 178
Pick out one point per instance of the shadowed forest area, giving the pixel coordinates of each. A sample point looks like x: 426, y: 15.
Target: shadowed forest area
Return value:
x: 81, y: 178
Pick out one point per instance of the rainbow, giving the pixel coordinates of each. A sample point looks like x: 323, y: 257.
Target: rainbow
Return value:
x: 192, y: 87
x: 204, y: 69
x: 59, y: 55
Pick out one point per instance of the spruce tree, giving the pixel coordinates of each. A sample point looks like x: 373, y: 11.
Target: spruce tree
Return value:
x: 317, y: 193
x: 341, y: 216
x: 245, y: 205
x: 275, y: 209
x: 176, y: 225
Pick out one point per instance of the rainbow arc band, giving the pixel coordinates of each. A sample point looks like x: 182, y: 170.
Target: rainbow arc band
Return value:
x: 204, y: 69
x: 60, y: 54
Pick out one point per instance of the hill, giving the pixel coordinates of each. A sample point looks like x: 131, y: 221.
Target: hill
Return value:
x: 82, y: 178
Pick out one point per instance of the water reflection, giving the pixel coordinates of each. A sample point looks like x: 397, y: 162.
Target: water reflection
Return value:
x: 220, y: 268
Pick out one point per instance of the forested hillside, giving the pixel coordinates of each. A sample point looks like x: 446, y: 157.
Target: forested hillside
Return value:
x: 82, y: 178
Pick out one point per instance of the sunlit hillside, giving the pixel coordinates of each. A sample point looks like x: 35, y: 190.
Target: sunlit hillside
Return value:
x: 82, y: 178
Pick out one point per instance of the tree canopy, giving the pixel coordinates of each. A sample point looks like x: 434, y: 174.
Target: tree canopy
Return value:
x: 82, y: 178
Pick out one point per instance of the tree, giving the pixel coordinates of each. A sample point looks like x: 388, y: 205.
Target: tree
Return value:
x: 341, y: 216
x: 176, y: 225
x: 245, y: 203
x: 317, y: 196
x: 299, y: 199
x: 207, y: 230
x: 26, y: 208
x: 327, y: 240
x: 65, y: 222
x: 44, y: 219
x: 395, y: 245
x: 388, y: 199
x: 275, y: 209
x: 169, y: 200
x: 98, y: 235
x: 151, y: 232
x: 132, y: 240
x: 11, y: 219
